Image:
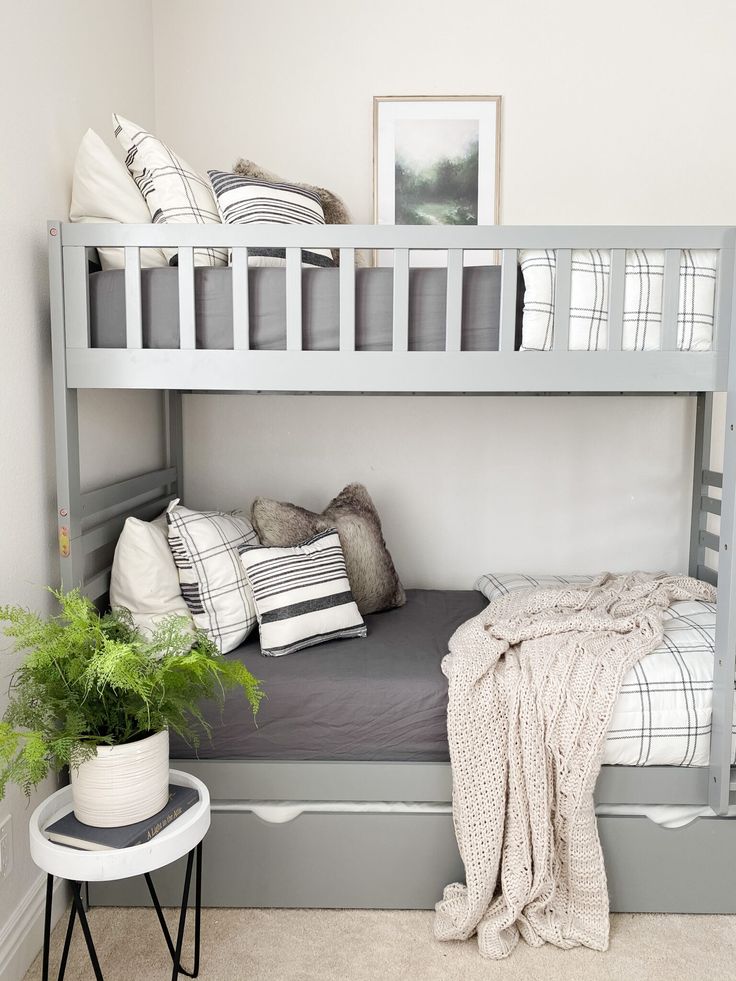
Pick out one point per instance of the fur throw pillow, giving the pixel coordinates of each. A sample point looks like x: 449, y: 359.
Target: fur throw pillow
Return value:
x: 373, y: 579
x: 333, y: 207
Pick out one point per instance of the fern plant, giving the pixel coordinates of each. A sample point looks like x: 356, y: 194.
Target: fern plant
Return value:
x: 89, y: 680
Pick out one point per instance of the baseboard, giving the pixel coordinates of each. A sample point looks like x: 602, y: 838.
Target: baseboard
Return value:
x: 22, y: 937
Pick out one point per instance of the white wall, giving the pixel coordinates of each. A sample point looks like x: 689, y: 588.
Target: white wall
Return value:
x: 611, y: 114
x: 63, y: 67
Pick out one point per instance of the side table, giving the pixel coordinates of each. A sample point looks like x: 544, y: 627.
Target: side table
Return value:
x: 182, y: 837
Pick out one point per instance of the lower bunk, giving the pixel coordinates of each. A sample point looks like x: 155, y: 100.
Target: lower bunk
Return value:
x: 340, y: 795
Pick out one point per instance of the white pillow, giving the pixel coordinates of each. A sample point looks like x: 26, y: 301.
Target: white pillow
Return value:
x: 642, y: 320
x: 103, y: 191
x: 242, y: 200
x: 206, y: 546
x: 144, y: 577
x: 172, y: 190
x: 302, y: 594
x: 493, y: 585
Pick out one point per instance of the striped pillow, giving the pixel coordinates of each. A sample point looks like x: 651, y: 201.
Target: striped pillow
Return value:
x: 206, y: 547
x: 242, y: 200
x: 302, y: 594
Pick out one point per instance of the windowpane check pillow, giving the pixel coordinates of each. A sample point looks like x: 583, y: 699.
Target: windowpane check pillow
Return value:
x: 642, y: 320
x: 173, y: 191
x: 206, y: 546
x: 493, y: 585
x: 302, y: 594
x: 242, y: 200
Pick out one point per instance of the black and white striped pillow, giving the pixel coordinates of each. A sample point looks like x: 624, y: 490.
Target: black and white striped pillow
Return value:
x: 206, y: 546
x: 242, y: 200
x: 302, y: 594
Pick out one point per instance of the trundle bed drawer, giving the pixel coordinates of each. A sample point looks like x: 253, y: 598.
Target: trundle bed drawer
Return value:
x: 371, y: 860
x: 404, y: 860
x: 652, y: 869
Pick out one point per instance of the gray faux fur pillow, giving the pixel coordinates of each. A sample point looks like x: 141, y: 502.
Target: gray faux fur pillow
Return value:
x: 373, y: 579
x: 333, y: 207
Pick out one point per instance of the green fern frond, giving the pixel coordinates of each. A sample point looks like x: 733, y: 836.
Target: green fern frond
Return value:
x: 88, y: 680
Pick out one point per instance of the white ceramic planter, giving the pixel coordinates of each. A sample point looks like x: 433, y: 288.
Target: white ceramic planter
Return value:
x: 123, y: 784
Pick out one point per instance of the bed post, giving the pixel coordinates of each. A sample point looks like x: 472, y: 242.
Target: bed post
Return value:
x: 66, y: 427
x: 174, y: 441
x: 724, y: 666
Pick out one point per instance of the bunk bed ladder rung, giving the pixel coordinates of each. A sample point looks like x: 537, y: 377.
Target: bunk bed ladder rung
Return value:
x: 347, y: 300
x: 670, y: 299
x: 401, y: 300
x: 76, y: 297
x: 708, y: 539
x: 563, y: 274
x: 507, y: 316
x: 710, y: 504
x: 454, y: 312
x: 187, y: 324
x: 711, y: 478
x: 293, y: 299
x: 133, y: 313
x: 241, y: 302
x: 616, y: 292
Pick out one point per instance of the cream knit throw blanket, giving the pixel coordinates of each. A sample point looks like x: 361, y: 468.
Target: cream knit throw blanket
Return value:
x: 532, y: 685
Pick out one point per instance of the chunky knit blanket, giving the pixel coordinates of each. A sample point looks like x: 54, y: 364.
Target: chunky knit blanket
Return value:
x: 532, y: 685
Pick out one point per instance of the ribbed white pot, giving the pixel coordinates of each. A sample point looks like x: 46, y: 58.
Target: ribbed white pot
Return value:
x: 122, y: 784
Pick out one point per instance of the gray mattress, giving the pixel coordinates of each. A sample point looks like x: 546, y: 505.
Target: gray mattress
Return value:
x: 320, y: 292
x: 382, y: 697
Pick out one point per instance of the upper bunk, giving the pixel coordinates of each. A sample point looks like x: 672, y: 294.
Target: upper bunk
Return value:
x: 397, y: 327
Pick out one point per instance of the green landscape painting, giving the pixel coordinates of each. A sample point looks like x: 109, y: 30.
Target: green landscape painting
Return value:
x: 436, y: 171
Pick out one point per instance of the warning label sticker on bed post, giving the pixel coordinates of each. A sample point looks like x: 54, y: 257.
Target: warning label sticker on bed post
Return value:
x: 64, y: 543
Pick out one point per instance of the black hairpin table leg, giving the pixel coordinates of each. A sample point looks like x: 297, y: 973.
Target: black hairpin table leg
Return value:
x: 77, y: 899
x: 47, y: 926
x: 67, y: 942
x: 175, y: 952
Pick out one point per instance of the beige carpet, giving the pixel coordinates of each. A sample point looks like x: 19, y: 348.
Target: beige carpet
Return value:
x: 371, y: 945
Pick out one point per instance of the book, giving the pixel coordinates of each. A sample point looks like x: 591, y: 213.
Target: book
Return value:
x: 69, y: 831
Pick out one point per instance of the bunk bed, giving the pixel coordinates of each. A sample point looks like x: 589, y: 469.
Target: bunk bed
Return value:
x: 378, y: 833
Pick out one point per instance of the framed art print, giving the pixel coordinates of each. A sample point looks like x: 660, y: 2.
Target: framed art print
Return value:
x: 436, y: 162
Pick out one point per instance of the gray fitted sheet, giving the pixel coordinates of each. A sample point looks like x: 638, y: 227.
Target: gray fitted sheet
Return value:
x: 382, y: 697
x: 320, y: 297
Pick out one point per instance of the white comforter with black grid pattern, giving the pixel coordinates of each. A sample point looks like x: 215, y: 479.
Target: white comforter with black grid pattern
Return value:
x: 663, y: 713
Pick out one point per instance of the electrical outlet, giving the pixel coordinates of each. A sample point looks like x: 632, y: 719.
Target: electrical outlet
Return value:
x: 6, y: 847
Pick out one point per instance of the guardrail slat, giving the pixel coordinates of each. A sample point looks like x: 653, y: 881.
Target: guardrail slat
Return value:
x: 616, y: 292
x: 241, y: 310
x: 563, y: 277
x: 670, y: 299
x: 507, y: 316
x: 76, y: 297
x: 133, y: 313
x: 347, y: 299
x: 293, y: 299
x: 401, y: 300
x: 454, y: 299
x: 187, y: 315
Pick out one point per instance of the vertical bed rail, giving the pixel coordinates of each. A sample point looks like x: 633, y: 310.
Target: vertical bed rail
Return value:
x: 66, y: 417
x: 724, y: 668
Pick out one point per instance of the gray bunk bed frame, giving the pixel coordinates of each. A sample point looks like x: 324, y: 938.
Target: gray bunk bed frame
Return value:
x: 381, y: 858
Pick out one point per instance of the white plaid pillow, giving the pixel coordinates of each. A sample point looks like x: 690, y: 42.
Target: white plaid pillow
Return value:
x: 642, y: 319
x: 206, y: 546
x: 173, y: 191
x: 302, y: 594
x: 493, y: 585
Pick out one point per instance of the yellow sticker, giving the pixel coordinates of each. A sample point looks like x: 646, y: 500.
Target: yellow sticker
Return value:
x: 64, y: 546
